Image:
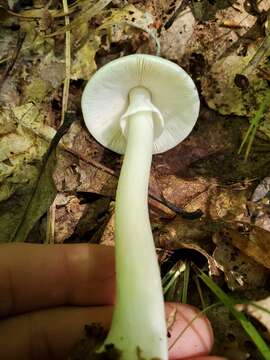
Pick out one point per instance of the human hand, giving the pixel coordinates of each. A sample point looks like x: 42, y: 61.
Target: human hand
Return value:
x: 49, y: 292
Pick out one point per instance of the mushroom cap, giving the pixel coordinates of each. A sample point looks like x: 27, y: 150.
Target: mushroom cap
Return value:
x: 173, y: 93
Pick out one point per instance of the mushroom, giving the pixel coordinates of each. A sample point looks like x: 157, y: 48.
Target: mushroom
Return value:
x: 138, y: 105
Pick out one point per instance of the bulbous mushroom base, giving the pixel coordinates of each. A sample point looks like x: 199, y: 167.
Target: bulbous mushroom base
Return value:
x: 88, y: 348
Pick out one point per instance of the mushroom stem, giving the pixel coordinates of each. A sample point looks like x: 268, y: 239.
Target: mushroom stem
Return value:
x: 138, y: 325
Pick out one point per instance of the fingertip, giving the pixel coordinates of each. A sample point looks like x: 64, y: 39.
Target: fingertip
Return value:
x: 206, y: 358
x: 190, y: 332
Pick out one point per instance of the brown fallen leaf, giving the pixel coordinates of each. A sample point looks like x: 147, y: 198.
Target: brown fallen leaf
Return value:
x: 84, y: 63
x: 73, y: 174
x: 251, y: 240
x: 180, y: 191
x: 77, y: 218
x: 129, y: 16
x: 260, y: 310
x: 226, y: 53
x: 189, y: 234
x: 262, y: 190
x: 231, y: 341
x: 173, y: 41
x: 22, y: 211
x: 259, y: 206
x: 68, y: 211
x: 108, y: 236
x: 241, y: 272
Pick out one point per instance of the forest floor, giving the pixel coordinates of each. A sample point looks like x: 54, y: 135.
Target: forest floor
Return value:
x: 221, y: 171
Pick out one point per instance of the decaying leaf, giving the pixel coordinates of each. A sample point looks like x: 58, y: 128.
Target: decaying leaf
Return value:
x: 226, y: 53
x: 178, y: 231
x: 132, y: 17
x: 241, y: 272
x: 108, y: 236
x: 251, y: 240
x: 262, y: 190
x: 35, y: 41
x: 7, y: 42
x: 28, y: 206
x: 73, y: 174
x: 260, y: 310
x: 205, y: 10
x: 259, y: 206
x: 188, y: 234
x: 233, y: 99
x: 77, y: 219
x: 83, y: 64
x: 46, y: 75
x: 33, y: 117
x: 7, y: 122
x: 20, y: 151
x: 174, y: 40
x: 230, y: 340
x: 180, y: 191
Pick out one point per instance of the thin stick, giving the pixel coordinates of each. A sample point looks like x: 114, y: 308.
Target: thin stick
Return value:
x: 51, y: 212
x: 50, y: 224
x: 68, y: 64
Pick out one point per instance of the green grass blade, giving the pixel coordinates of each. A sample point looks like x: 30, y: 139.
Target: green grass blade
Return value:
x: 246, y: 324
x: 254, y: 124
x: 186, y: 282
x: 171, y: 282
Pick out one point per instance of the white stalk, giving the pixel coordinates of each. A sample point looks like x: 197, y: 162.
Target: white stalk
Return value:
x: 138, y: 325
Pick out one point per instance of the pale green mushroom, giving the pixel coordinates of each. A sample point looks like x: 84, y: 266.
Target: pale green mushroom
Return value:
x: 138, y: 105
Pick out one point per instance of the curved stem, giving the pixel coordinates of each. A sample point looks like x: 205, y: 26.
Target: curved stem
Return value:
x: 138, y: 325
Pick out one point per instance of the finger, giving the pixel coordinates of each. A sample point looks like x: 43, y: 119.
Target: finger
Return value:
x: 190, y: 333
x: 48, y: 334
x: 207, y: 358
x: 40, y: 276
x: 51, y: 334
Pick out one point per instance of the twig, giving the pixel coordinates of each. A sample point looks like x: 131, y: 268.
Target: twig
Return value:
x: 89, y: 13
x: 51, y: 211
x: 50, y: 224
x: 68, y: 64
x: 13, y: 59
x: 53, y: 13
x: 179, y: 9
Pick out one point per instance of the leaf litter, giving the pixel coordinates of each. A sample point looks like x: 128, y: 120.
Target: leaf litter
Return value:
x: 224, y: 46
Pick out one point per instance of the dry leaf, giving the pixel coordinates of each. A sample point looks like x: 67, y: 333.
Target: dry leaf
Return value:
x: 226, y: 53
x: 173, y: 41
x: 262, y: 190
x: 241, y: 272
x: 77, y: 219
x: 28, y: 206
x: 259, y: 206
x: 260, y: 310
x: 251, y: 240
x: 33, y: 117
x: 117, y: 22
x: 20, y: 150
x: 231, y: 341
x: 108, y: 236
x: 72, y: 174
x: 83, y: 64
